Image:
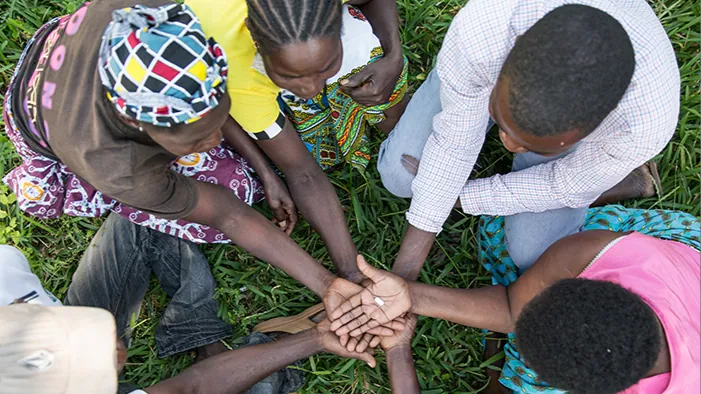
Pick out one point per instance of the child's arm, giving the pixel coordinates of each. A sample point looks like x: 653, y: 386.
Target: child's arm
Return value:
x: 276, y: 193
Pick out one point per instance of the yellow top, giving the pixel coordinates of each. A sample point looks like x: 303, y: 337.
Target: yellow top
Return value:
x: 253, y: 95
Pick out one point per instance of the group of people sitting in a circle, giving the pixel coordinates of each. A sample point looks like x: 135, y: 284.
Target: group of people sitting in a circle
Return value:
x: 173, y: 119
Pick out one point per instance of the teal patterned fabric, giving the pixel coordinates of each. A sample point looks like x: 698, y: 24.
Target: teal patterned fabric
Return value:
x: 671, y: 225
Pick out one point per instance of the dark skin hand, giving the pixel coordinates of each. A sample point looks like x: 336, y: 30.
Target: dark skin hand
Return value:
x: 207, y: 133
x: 375, y: 82
x: 411, y: 257
x: 217, y: 207
x: 276, y: 194
x: 236, y: 370
x: 317, y: 201
x: 315, y: 197
x: 400, y: 363
x: 493, y: 308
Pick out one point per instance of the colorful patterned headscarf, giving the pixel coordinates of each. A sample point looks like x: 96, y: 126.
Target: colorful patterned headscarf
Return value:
x: 159, y: 67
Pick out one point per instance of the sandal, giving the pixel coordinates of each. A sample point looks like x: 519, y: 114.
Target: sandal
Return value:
x: 655, y: 175
x: 291, y: 324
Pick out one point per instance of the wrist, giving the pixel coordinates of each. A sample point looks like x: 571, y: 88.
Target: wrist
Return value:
x: 326, y: 280
x: 267, y: 175
x: 413, y: 297
x: 394, y: 54
x: 398, y: 350
x: 352, y: 276
x: 316, y: 339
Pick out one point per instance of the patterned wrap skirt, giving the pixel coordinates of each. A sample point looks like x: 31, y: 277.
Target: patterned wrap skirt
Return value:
x: 46, y: 188
x: 332, y: 126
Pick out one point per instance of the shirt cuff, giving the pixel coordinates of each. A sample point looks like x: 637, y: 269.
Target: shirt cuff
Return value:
x: 473, y: 197
x: 423, y: 223
x: 271, y: 131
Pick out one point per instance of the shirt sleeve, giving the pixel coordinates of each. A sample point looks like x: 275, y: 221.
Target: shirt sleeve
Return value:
x: 162, y: 193
x: 255, y: 105
x: 638, y: 129
x: 573, y: 181
x: 458, y: 132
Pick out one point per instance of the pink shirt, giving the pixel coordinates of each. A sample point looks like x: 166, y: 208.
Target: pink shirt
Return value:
x: 667, y: 275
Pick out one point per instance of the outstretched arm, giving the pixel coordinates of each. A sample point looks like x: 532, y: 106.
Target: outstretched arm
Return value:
x: 219, y: 208
x: 400, y: 363
x: 315, y: 197
x: 413, y: 252
x: 276, y: 193
x: 237, y: 370
x: 494, y: 308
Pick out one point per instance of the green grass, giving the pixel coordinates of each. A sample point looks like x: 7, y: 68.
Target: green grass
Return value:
x: 448, y: 357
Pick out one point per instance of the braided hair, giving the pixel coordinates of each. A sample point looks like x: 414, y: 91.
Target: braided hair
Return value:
x: 275, y: 23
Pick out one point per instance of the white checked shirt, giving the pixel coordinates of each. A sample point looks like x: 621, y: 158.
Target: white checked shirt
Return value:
x: 477, y: 43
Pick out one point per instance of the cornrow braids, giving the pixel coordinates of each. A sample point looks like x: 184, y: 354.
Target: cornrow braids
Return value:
x: 275, y: 23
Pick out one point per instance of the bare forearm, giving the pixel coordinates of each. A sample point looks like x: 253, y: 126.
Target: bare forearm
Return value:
x: 237, y: 370
x: 316, y: 199
x: 402, y: 373
x: 485, y: 307
x: 247, y: 228
x: 413, y: 253
x: 261, y: 238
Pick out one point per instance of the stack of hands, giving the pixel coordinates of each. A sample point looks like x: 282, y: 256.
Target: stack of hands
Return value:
x: 361, y: 317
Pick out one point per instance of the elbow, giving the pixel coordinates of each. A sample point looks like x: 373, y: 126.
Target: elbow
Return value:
x: 306, y: 175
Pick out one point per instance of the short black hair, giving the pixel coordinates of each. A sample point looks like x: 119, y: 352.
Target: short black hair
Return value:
x: 588, y: 336
x: 275, y: 23
x: 568, y: 71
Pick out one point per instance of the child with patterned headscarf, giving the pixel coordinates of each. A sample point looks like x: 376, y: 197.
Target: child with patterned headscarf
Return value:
x: 137, y: 123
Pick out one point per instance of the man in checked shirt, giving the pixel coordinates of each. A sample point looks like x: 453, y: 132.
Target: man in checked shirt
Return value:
x: 583, y: 95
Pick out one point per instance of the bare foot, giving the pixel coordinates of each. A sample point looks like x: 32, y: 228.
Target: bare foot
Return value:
x: 204, y: 352
x: 643, y: 182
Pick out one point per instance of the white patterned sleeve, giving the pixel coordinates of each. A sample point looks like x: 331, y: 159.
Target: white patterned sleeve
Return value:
x: 458, y: 131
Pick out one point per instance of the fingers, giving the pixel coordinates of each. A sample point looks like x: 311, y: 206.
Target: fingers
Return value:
x: 364, y: 328
x: 352, y: 343
x: 368, y: 358
x: 357, y: 79
x: 278, y: 210
x: 368, y: 270
x: 375, y: 341
x: 367, y: 95
x: 343, y: 339
x: 364, y: 343
x: 291, y: 211
x: 381, y: 331
x: 350, y: 316
x: 347, y: 306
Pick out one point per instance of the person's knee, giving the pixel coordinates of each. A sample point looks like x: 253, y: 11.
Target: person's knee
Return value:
x: 523, y: 254
x: 396, y: 173
x: 523, y: 240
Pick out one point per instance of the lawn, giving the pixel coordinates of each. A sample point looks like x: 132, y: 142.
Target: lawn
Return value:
x: 448, y: 357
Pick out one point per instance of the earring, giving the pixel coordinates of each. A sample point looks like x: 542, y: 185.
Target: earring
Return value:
x: 141, y: 129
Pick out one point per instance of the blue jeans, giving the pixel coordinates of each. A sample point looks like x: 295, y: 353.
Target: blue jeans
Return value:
x: 528, y: 234
x: 114, y: 274
x: 115, y: 271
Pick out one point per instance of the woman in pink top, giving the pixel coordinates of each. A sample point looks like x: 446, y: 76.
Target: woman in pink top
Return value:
x: 599, y: 312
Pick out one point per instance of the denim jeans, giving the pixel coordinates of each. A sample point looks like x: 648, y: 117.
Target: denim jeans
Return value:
x: 115, y: 272
x: 527, y: 234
